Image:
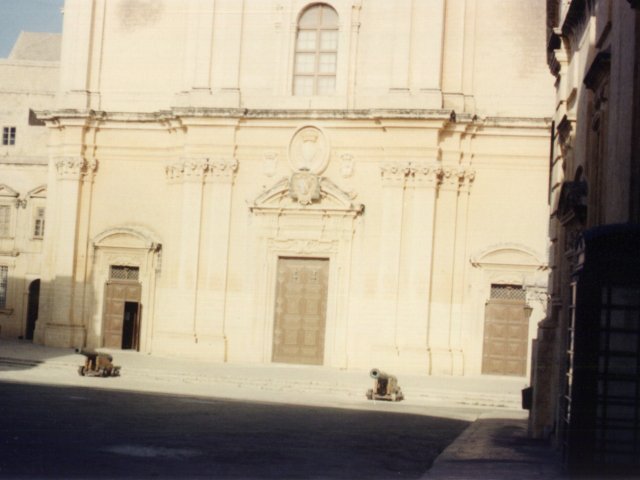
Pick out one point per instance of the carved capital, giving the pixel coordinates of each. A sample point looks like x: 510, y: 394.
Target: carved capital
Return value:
x: 199, y: 169
x: 452, y: 178
x: 425, y: 174
x: 222, y: 169
x: 394, y: 174
x: 174, y: 171
x: 467, y: 181
x: 72, y: 168
x: 194, y: 169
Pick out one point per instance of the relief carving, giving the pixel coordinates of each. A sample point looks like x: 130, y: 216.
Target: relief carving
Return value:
x: 198, y: 169
x: 304, y: 187
x: 222, y: 169
x: 300, y: 246
x: 72, y: 168
x: 309, y: 150
x: 346, y: 165
x: 394, y: 174
x: 174, y: 171
x: 194, y: 169
x: 426, y: 174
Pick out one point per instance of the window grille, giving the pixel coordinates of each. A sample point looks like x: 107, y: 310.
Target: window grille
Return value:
x: 316, y: 58
x: 4, y: 277
x: 5, y: 220
x: 38, y: 224
x: 123, y: 272
x: 508, y: 292
x: 8, y: 135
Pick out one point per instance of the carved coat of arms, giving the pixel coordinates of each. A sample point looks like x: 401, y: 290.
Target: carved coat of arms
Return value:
x: 304, y: 187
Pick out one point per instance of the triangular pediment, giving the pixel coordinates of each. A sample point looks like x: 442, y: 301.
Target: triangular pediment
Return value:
x: 331, y: 198
x: 6, y: 191
x: 38, y: 192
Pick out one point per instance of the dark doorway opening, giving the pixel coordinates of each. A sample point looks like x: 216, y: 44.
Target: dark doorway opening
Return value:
x: 130, y: 326
x: 32, y: 308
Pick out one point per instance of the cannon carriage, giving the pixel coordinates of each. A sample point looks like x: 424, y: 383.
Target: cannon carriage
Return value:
x: 97, y: 364
x: 385, y: 387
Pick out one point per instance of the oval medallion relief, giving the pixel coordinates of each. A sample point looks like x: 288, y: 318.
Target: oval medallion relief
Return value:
x: 309, y: 150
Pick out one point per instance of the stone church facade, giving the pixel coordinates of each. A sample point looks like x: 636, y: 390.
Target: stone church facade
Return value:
x: 345, y: 183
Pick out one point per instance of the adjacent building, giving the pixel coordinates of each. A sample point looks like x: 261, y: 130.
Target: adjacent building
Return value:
x: 28, y: 81
x: 349, y: 183
x: 586, y: 374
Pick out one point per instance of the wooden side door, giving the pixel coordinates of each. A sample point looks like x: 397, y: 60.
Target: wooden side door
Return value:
x: 300, y: 316
x: 116, y: 294
x: 505, y: 345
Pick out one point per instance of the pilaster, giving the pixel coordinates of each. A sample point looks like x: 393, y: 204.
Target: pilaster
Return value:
x: 459, y: 268
x: 198, y: 52
x: 76, y: 53
x: 393, y: 177
x: 447, y: 245
x: 206, y: 187
x: 422, y: 183
x: 64, y: 326
x: 401, y: 10
x: 214, y: 258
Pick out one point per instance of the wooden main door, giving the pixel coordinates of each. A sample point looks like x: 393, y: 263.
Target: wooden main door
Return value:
x: 506, y: 330
x: 122, y: 315
x: 300, y: 313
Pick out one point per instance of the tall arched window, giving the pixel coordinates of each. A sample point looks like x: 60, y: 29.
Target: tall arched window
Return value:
x: 316, y: 51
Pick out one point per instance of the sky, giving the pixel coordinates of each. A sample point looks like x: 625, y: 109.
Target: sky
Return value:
x: 27, y: 15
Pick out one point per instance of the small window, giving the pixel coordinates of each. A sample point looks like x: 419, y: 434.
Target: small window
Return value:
x: 508, y: 292
x: 316, y: 56
x: 8, y: 135
x: 4, y: 277
x: 38, y: 223
x: 123, y: 272
x: 5, y: 220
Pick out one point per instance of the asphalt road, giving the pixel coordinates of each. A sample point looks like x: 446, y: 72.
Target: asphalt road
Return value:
x: 73, y: 432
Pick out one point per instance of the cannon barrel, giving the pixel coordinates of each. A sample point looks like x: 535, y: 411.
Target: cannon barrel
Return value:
x: 86, y: 353
x: 378, y: 374
x: 93, y: 354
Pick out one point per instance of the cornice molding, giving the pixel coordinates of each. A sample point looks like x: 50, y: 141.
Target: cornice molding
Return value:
x: 576, y: 19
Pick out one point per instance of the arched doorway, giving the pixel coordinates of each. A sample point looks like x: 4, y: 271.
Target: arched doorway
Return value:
x: 32, y: 308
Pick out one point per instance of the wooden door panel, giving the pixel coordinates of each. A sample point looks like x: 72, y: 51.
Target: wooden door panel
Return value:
x: 505, y: 338
x: 116, y: 294
x: 301, y: 298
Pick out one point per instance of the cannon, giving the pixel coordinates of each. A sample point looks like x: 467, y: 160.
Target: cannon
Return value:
x: 97, y: 364
x: 385, y: 387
